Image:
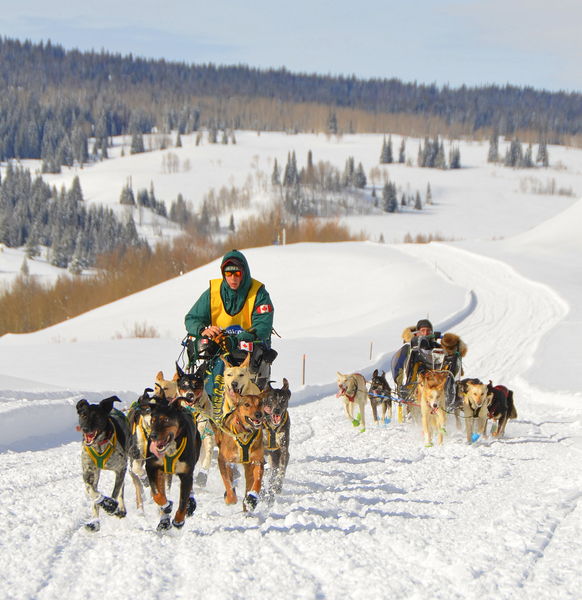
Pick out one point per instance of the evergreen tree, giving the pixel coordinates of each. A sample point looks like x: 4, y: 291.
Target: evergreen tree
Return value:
x: 402, y: 152
x: 360, y: 180
x: 126, y: 196
x: 417, y: 201
x: 137, y: 145
x: 231, y: 226
x: 542, y: 154
x: 275, y: 176
x: 178, y: 140
x: 528, y: 157
x: 332, y: 123
x: 428, y: 194
x: 224, y: 139
x: 493, y: 154
x: 389, y: 197
x: 455, y: 158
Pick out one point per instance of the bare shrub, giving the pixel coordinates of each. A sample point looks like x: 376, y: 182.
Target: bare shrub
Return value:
x: 139, y: 330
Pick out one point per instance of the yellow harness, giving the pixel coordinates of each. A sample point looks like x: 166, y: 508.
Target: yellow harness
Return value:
x: 100, y: 458
x: 245, y: 443
x: 244, y: 317
x: 272, y: 433
x: 170, y: 460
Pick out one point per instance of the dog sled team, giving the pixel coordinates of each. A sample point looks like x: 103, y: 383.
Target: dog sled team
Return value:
x: 223, y: 400
x: 429, y: 385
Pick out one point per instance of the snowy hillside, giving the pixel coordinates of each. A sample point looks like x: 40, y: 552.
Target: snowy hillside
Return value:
x: 362, y: 515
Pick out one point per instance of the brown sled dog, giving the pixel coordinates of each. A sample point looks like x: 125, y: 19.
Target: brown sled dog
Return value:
x: 240, y: 440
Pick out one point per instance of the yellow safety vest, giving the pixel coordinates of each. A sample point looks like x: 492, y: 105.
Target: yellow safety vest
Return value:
x: 244, y: 317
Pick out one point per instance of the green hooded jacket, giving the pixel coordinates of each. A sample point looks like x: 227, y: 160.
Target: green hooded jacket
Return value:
x: 198, y: 317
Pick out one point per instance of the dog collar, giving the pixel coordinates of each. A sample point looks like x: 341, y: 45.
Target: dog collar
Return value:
x: 100, y: 458
x: 273, y: 431
x: 170, y: 460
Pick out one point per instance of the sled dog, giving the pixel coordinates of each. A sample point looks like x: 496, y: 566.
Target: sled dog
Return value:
x: 430, y: 393
x: 173, y: 449
x: 379, y: 395
x: 276, y: 431
x: 240, y: 440
x: 105, y: 447
x: 474, y: 397
x: 352, y: 388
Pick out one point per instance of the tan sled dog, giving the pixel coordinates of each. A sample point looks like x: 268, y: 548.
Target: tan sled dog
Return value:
x: 430, y: 394
x: 352, y: 388
x: 237, y: 380
x: 473, y: 393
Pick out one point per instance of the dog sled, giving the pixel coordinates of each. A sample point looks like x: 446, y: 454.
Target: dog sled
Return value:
x: 205, y: 360
x: 417, y: 356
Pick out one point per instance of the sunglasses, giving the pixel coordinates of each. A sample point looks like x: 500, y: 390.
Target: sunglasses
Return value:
x: 233, y: 274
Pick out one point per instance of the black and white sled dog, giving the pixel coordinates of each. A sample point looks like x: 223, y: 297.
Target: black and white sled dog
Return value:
x: 379, y: 395
x: 106, y: 446
x: 276, y: 432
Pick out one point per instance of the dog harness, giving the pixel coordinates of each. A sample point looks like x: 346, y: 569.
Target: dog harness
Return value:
x: 272, y: 433
x: 245, y: 443
x: 244, y: 317
x: 100, y: 458
x: 170, y: 460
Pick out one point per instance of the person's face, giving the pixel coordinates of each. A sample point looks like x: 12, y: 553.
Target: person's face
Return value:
x: 233, y: 279
x: 424, y: 331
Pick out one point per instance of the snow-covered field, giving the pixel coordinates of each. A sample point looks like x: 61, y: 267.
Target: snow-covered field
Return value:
x: 362, y: 515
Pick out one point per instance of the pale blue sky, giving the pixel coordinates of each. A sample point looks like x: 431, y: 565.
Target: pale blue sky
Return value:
x: 473, y: 42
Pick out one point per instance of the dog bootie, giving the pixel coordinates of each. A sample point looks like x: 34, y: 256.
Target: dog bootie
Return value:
x: 178, y: 524
x: 191, y: 507
x: 109, y: 505
x: 250, y: 502
x: 475, y: 437
x: 165, y: 523
x: 387, y: 420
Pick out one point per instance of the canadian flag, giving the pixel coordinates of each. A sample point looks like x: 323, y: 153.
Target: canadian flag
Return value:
x: 264, y: 308
x: 248, y: 346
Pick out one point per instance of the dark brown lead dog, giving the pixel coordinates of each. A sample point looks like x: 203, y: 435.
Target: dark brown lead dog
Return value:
x: 173, y: 449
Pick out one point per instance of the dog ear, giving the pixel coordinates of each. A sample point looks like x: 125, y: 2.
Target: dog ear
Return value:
x: 226, y: 362
x: 285, y: 384
x: 107, y: 403
x: 176, y: 376
x: 247, y: 361
x: 179, y: 371
x: 160, y: 376
x: 375, y: 373
x: 82, y: 406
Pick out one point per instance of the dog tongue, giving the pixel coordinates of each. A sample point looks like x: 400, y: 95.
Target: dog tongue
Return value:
x: 154, y: 449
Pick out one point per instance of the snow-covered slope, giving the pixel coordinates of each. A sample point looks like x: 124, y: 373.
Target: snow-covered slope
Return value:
x: 362, y: 515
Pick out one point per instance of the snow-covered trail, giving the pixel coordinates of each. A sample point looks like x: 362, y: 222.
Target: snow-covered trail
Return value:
x: 370, y: 515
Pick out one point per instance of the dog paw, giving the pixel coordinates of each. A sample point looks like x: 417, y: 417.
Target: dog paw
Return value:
x: 109, y: 505
x: 165, y: 523
x: 167, y: 508
x: 250, y: 502
x: 355, y: 422
x: 120, y: 513
x: 201, y: 479
x: 93, y: 526
x: 387, y: 420
x: 475, y: 437
x: 362, y: 430
x: 428, y: 445
x: 191, y: 507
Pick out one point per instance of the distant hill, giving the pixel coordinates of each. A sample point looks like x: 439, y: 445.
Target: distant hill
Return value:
x: 54, y: 100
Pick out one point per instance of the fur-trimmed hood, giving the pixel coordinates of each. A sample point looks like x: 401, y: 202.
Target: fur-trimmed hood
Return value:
x: 408, y: 333
x: 450, y: 342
